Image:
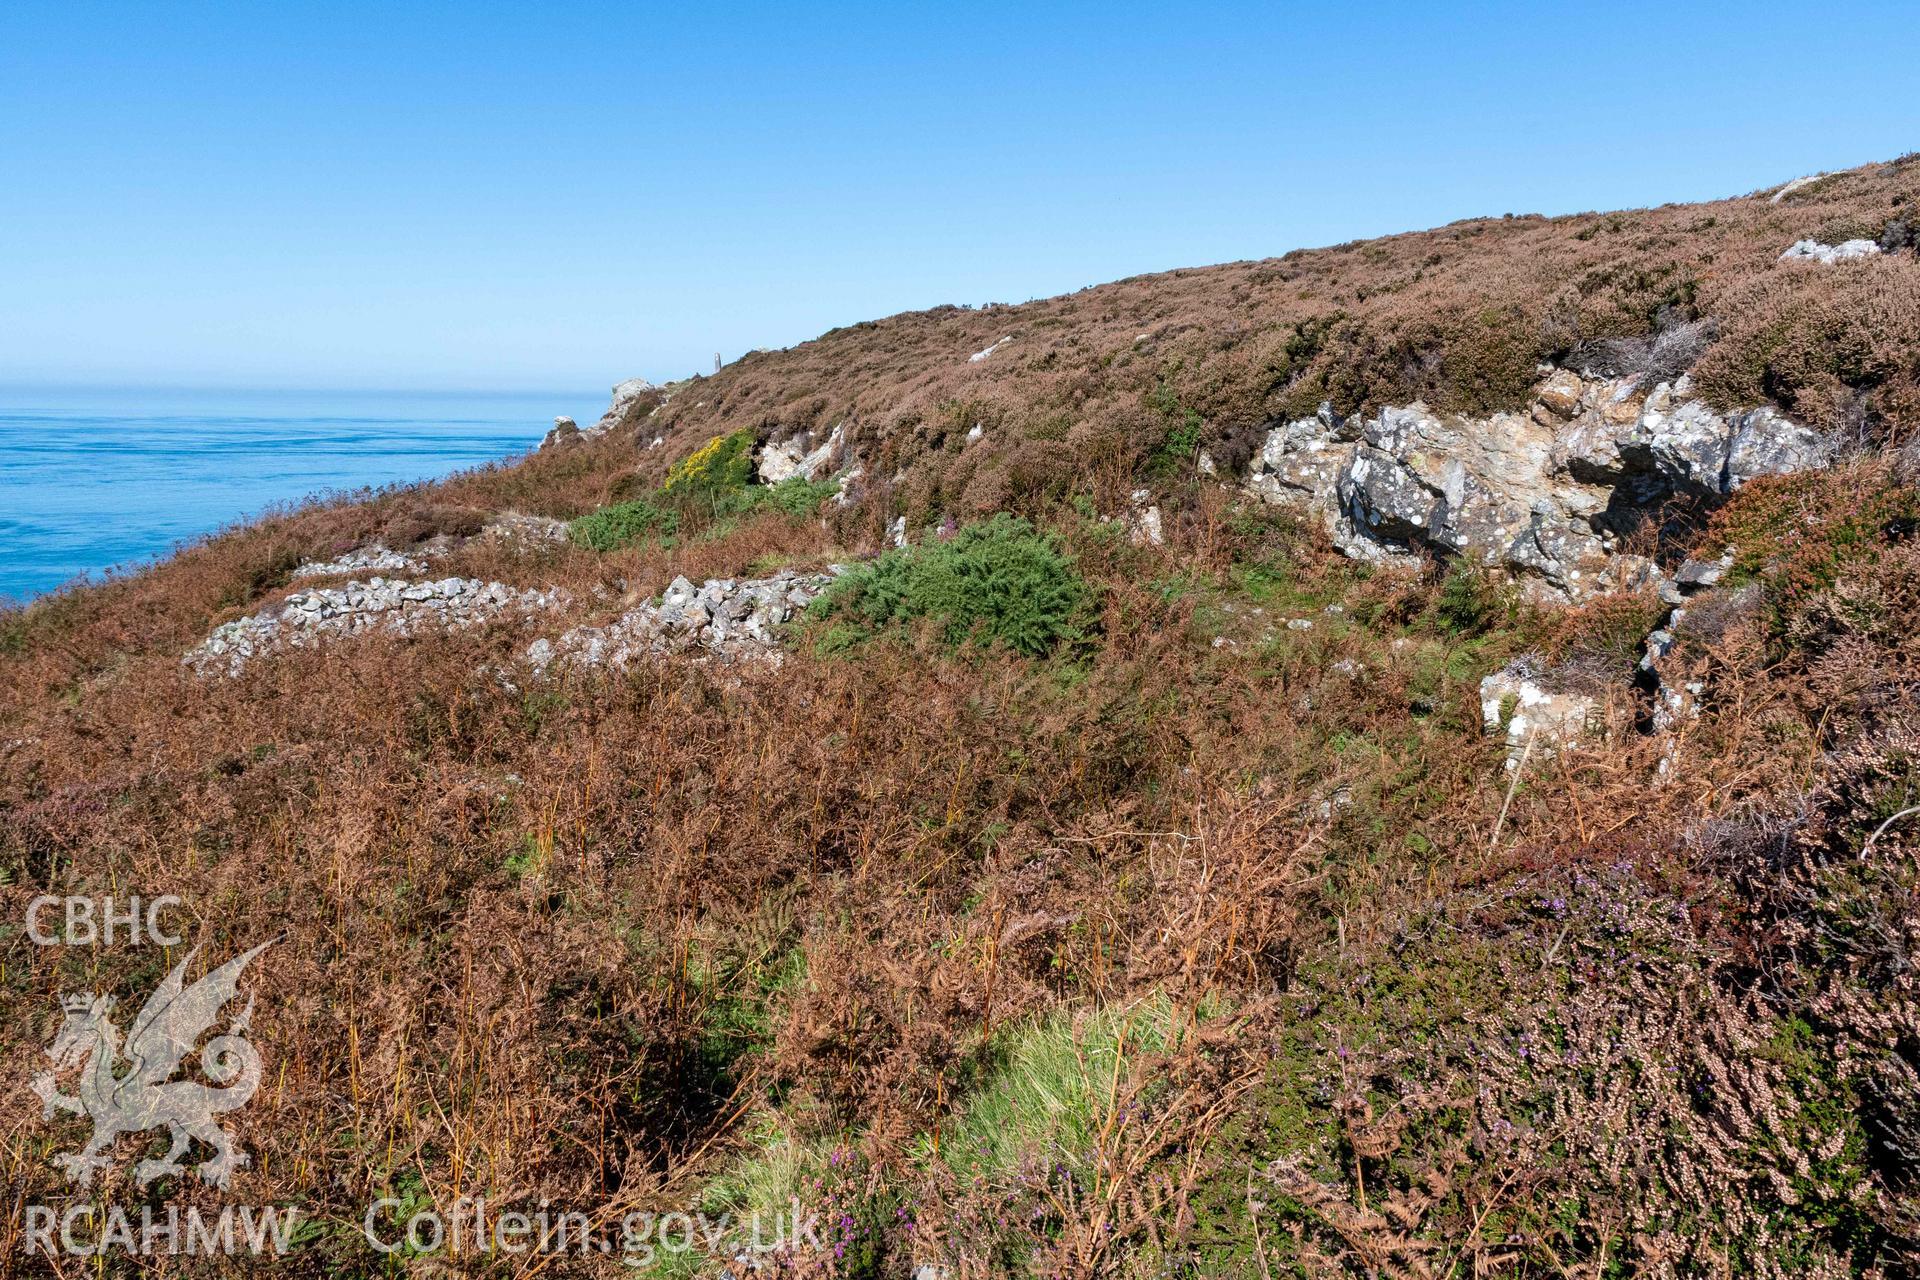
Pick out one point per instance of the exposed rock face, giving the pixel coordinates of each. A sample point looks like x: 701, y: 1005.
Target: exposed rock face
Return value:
x: 786, y: 459
x: 728, y: 619
x: 1789, y: 188
x: 564, y: 429
x: 1828, y: 254
x: 392, y: 605
x: 1535, y: 719
x: 1546, y: 493
x: 624, y: 396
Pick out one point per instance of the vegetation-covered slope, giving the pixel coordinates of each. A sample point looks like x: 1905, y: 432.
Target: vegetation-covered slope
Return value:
x: 1063, y: 902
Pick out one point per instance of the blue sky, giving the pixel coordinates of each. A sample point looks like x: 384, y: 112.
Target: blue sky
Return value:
x: 562, y: 194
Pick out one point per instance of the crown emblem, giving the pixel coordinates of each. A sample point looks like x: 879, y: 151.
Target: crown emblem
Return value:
x: 77, y: 1001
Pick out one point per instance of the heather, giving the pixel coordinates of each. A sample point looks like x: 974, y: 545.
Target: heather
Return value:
x: 1064, y: 901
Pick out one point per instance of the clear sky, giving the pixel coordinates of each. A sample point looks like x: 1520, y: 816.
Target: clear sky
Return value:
x: 562, y: 194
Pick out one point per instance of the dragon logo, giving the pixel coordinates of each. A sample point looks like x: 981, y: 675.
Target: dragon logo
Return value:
x: 129, y: 1090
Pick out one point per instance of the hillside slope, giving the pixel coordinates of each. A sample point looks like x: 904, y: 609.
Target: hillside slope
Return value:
x: 1394, y: 760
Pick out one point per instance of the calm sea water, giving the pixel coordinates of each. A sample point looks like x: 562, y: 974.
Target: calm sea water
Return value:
x: 91, y: 480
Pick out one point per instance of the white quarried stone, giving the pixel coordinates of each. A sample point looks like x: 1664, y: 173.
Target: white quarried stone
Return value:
x: 1542, y: 721
x: 978, y: 356
x: 1828, y: 254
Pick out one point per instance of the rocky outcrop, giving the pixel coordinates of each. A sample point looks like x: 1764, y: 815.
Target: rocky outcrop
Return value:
x: 726, y: 618
x: 1547, y: 493
x: 1828, y: 254
x: 626, y: 397
x: 785, y: 459
x: 391, y: 605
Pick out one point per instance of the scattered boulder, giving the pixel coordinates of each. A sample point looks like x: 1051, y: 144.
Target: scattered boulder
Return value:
x: 1828, y: 254
x: 1144, y: 525
x: 728, y: 619
x: 393, y: 605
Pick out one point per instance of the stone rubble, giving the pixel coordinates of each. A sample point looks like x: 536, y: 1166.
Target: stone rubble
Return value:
x: 392, y: 605
x: 1675, y: 704
x: 372, y: 558
x: 528, y: 531
x: 727, y: 618
x: 1546, y: 493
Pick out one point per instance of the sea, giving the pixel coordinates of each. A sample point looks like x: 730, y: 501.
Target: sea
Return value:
x: 96, y: 480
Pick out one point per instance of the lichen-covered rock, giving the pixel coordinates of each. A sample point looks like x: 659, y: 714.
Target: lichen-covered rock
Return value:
x: 1547, y: 493
x: 626, y: 395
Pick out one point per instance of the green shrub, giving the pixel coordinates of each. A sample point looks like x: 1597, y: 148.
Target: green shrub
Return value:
x: 622, y: 524
x: 1470, y: 600
x: 796, y: 497
x: 999, y: 581
x: 662, y: 514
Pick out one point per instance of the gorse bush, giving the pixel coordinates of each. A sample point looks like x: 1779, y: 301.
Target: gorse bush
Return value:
x: 721, y: 465
x: 999, y: 581
x: 622, y: 524
x: 796, y: 497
